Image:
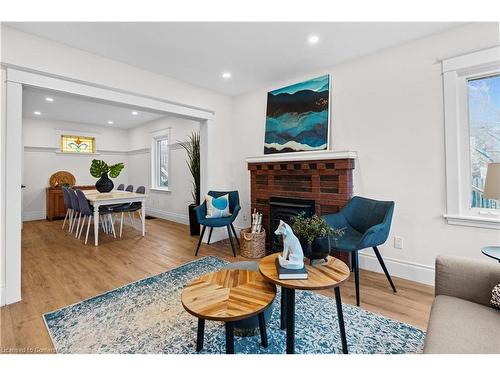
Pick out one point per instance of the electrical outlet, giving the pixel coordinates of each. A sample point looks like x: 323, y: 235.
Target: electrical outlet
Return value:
x: 398, y: 242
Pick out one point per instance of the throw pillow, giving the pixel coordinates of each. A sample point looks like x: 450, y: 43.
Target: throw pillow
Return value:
x: 495, y: 297
x: 217, y: 207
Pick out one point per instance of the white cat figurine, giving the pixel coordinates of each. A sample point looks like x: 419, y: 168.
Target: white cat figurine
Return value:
x: 293, y: 256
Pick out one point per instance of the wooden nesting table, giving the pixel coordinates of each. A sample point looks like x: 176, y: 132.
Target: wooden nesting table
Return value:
x: 228, y: 296
x: 326, y: 276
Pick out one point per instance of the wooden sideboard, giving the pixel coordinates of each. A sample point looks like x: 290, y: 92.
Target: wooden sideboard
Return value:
x: 55, y: 201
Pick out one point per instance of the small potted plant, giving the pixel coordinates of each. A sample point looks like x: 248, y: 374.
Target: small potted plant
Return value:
x: 315, y: 235
x: 192, y: 147
x: 99, y: 169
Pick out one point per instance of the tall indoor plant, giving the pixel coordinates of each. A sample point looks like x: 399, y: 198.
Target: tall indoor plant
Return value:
x: 100, y: 169
x: 192, y: 147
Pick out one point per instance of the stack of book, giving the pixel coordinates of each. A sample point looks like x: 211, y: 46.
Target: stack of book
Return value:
x: 287, y: 274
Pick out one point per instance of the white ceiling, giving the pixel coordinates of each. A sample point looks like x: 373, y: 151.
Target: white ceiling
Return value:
x: 80, y: 109
x: 255, y: 53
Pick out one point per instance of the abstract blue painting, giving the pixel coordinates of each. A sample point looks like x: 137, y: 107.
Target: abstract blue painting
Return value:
x: 297, y: 117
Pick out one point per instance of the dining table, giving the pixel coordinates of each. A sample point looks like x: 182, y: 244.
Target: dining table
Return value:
x: 114, y: 197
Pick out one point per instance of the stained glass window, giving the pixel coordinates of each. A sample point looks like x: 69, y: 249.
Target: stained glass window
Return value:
x: 78, y: 144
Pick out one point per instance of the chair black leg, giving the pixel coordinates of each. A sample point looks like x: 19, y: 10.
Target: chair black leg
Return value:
x: 231, y: 240
x: 199, y: 241
x: 381, y: 261
x: 355, y: 267
x: 235, y: 235
x: 210, y: 235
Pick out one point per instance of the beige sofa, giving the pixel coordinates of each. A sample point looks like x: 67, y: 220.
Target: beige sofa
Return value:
x: 462, y: 320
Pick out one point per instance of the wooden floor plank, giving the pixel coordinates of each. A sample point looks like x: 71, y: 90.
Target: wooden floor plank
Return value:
x: 59, y: 270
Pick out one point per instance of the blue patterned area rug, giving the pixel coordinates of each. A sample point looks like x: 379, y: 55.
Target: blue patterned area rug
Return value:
x: 147, y: 317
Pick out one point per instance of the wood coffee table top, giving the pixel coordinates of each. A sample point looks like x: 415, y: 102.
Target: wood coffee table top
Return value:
x: 321, y: 276
x: 228, y: 295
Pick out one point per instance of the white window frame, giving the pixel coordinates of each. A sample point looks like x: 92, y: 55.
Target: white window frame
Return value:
x: 457, y: 72
x: 156, y: 136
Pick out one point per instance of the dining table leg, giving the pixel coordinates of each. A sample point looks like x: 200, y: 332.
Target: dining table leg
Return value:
x: 340, y: 315
x: 96, y: 223
x: 143, y: 211
x: 290, y: 320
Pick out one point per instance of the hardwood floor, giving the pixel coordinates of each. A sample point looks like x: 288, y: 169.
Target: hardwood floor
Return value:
x: 59, y: 270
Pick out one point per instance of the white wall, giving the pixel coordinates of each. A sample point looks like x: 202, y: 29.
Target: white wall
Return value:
x: 171, y: 205
x: 388, y: 106
x: 40, y: 159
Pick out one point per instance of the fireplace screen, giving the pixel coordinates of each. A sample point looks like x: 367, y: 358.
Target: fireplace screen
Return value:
x: 284, y: 209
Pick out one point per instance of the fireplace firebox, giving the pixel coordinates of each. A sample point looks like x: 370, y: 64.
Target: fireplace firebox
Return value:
x: 285, y: 209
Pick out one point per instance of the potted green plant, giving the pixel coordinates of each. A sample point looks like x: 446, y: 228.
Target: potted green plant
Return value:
x: 100, y: 169
x: 315, y: 235
x: 192, y: 147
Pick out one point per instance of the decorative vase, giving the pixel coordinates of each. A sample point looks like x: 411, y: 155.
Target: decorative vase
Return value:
x: 318, y: 249
x: 194, y: 226
x: 104, y: 184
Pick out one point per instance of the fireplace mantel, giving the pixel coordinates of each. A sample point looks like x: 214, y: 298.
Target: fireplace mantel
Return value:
x: 303, y: 156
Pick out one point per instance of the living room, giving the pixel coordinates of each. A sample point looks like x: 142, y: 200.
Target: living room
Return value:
x: 386, y: 140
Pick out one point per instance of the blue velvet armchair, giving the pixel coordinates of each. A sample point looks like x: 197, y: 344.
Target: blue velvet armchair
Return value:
x: 367, y: 223
x: 234, y: 208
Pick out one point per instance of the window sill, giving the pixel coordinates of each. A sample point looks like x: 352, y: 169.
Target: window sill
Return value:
x: 163, y: 190
x: 78, y: 153
x: 473, y: 221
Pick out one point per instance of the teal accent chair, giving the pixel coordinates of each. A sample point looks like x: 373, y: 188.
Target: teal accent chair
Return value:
x: 367, y: 223
x: 234, y: 208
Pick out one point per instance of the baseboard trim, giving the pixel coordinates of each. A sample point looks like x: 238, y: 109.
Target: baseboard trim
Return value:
x: 34, y: 215
x: 167, y: 215
x: 420, y: 273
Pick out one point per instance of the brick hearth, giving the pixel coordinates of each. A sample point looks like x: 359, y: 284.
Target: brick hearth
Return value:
x: 328, y: 182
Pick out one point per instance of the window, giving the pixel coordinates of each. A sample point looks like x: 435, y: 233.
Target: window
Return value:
x: 77, y: 144
x: 160, y: 152
x: 484, y: 133
x: 472, y: 133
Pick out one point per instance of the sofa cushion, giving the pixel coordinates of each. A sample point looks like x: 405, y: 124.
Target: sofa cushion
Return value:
x: 495, y: 297
x: 458, y: 326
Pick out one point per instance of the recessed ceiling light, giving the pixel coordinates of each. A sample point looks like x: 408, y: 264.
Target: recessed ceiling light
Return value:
x: 38, y: 113
x: 135, y: 113
x: 313, y: 39
x: 226, y: 75
x: 110, y: 122
x: 49, y: 99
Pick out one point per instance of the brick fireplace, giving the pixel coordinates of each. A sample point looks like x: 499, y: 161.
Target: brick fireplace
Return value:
x: 323, y: 178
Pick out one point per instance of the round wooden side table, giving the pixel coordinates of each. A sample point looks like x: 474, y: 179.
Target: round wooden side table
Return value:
x: 228, y: 296
x: 329, y: 275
